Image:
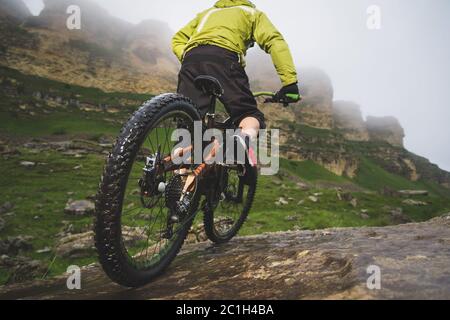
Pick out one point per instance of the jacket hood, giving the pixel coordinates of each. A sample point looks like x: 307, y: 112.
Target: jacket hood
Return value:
x: 233, y: 3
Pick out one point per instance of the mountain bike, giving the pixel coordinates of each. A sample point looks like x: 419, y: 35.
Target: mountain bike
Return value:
x: 139, y: 227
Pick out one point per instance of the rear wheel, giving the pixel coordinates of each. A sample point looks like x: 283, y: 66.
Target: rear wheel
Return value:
x: 225, y: 215
x: 134, y: 234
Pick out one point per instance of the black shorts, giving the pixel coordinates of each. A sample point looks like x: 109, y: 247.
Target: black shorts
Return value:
x: 224, y: 66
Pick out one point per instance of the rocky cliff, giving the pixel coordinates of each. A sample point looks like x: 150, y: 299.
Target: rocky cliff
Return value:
x: 386, y: 129
x: 106, y: 53
x: 412, y: 259
x: 14, y: 9
x: 349, y: 120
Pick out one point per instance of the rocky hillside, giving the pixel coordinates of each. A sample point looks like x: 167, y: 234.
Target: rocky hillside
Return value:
x: 14, y: 9
x: 333, y: 133
x: 107, y: 53
x: 326, y: 264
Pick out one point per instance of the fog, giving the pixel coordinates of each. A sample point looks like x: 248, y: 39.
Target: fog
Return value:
x: 402, y: 70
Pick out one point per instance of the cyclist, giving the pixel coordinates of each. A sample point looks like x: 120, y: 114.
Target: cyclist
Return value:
x: 215, y: 44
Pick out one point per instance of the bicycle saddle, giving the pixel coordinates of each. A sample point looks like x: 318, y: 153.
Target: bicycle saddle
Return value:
x: 209, y: 85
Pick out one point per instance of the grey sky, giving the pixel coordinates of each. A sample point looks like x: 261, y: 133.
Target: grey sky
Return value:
x: 401, y: 70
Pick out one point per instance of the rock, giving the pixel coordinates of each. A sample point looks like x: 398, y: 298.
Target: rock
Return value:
x: 291, y: 218
x: 21, y: 268
x: 78, y: 167
x: 6, y: 207
x: 44, y: 250
x: 413, y: 192
x: 12, y: 246
x: 82, y: 245
x: 354, y: 202
x: 286, y: 265
x: 345, y: 196
x: 318, y: 194
x: 197, y: 232
x: 410, y: 202
x: 398, y: 217
x: 80, y: 208
x: 365, y: 216
x: 313, y: 199
x: 28, y: 164
x: 301, y: 202
x: 302, y: 186
x: 281, y: 202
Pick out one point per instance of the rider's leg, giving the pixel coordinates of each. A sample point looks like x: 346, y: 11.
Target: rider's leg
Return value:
x: 250, y: 126
x: 246, y: 140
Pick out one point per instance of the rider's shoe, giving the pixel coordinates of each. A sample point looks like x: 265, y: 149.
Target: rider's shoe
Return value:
x: 184, y: 205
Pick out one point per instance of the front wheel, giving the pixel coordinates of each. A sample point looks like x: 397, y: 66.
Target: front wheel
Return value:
x: 134, y: 234
x: 224, y: 217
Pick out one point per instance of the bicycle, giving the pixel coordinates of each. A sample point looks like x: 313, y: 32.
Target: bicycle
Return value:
x: 137, y: 231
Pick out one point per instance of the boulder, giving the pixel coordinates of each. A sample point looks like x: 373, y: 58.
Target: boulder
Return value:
x: 21, y: 268
x: 398, y: 217
x: 323, y: 264
x: 281, y: 202
x: 12, y: 246
x: 80, y: 208
x: 28, y: 164
x: 411, y: 193
x: 411, y: 202
x: 82, y: 245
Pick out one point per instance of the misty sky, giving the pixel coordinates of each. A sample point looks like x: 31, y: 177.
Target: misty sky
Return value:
x: 402, y: 70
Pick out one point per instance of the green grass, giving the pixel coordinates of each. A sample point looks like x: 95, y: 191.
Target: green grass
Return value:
x: 373, y: 177
x: 310, y: 171
x: 40, y: 194
x: 57, y: 123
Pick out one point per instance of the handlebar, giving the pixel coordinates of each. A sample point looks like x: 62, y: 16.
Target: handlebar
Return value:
x: 271, y: 97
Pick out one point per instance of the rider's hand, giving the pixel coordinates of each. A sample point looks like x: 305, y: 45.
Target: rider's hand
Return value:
x: 289, y: 93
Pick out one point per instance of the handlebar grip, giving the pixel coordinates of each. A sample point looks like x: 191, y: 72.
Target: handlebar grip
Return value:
x: 294, y: 97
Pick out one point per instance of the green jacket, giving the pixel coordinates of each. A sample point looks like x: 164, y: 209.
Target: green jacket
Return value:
x: 236, y: 25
